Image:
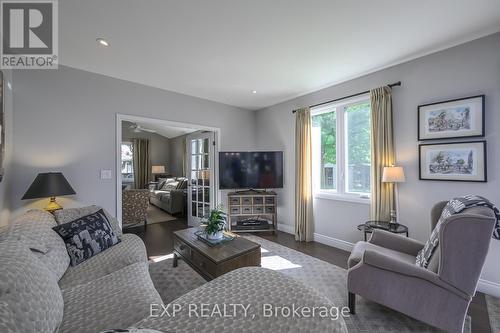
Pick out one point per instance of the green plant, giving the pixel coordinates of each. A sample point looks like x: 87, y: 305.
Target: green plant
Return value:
x: 216, y: 220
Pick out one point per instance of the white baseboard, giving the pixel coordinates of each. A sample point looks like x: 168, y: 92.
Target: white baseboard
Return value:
x: 289, y: 229
x: 327, y: 240
x: 334, y: 242
x: 488, y: 287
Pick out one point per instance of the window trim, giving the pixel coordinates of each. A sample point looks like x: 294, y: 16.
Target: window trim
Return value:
x: 340, y: 192
x: 130, y: 143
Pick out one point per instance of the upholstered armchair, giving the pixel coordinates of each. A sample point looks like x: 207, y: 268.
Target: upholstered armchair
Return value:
x: 134, y: 207
x: 383, y: 269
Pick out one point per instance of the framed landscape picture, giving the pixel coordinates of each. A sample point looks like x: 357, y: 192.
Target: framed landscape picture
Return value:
x: 458, y: 118
x: 460, y: 161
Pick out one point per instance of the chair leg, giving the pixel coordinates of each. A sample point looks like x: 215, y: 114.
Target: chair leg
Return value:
x: 351, y: 299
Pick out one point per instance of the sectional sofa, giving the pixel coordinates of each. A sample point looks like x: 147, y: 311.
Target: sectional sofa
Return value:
x: 40, y: 292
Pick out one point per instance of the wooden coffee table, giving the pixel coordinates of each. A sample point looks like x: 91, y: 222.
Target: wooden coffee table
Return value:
x: 213, y: 261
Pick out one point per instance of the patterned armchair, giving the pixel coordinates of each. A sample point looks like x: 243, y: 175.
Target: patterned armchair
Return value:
x: 134, y: 207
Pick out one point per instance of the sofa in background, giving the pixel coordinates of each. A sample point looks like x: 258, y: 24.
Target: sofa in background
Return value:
x: 169, y: 194
x: 384, y: 270
x: 134, y: 207
x: 41, y: 293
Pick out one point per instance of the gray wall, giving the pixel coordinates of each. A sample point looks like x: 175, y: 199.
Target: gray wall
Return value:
x: 469, y: 69
x: 65, y: 120
x: 6, y: 184
x: 159, y: 145
x: 177, y: 150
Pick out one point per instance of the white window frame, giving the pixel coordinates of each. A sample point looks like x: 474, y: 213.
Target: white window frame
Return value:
x: 131, y: 144
x: 340, y: 193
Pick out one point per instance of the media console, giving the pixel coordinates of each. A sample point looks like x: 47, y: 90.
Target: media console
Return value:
x: 252, y: 211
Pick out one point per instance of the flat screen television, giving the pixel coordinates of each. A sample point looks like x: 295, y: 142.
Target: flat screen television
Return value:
x: 251, y: 170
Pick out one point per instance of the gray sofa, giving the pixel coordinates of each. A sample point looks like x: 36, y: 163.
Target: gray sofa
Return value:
x: 384, y: 270
x: 172, y: 199
x: 41, y: 293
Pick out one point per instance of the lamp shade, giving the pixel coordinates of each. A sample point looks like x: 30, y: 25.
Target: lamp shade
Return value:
x: 393, y: 174
x: 158, y: 169
x: 49, y: 184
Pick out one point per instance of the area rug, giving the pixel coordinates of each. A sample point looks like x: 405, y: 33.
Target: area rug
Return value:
x: 173, y: 282
x: 494, y: 313
x: 156, y: 215
x: 329, y: 279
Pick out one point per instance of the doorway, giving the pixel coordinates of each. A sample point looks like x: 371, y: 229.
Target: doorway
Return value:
x: 195, y: 163
x: 200, y: 147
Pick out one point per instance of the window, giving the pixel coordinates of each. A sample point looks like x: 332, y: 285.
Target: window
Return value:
x: 341, y: 148
x: 127, y: 163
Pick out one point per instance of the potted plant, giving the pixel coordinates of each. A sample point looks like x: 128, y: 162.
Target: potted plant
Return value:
x: 214, y: 223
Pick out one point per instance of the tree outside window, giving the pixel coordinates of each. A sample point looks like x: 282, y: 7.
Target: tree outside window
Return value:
x: 341, y: 147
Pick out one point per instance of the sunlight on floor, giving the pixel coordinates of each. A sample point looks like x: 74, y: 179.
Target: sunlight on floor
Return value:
x: 277, y: 263
x: 161, y: 258
x: 263, y: 250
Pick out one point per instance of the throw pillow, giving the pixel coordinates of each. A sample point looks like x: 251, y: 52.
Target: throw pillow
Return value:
x: 87, y: 236
x: 182, y: 184
x: 161, y: 183
x: 70, y: 214
x: 170, y: 186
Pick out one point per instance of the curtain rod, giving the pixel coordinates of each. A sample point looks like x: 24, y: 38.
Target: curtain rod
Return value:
x: 395, y: 84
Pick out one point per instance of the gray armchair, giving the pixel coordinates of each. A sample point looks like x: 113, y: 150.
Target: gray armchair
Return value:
x: 384, y: 271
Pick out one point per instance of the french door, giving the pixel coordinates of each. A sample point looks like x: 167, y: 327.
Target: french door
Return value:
x: 200, y: 150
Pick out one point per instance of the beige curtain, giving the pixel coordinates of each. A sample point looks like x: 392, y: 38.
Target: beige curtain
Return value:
x: 304, y: 223
x: 142, y: 163
x: 382, y: 149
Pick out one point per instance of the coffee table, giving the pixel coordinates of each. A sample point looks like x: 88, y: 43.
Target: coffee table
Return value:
x: 213, y: 261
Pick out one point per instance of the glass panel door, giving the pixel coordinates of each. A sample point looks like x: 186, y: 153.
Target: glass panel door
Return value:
x: 200, y: 162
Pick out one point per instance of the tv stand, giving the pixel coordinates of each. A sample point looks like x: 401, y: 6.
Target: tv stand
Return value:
x: 251, y: 191
x: 252, y: 211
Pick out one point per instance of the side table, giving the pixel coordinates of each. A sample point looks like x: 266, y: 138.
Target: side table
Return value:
x: 396, y: 228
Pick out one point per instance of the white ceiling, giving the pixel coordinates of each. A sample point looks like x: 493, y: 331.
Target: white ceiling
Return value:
x: 223, y: 49
x: 163, y: 130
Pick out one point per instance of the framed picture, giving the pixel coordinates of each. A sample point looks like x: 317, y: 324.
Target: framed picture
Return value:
x: 458, y: 118
x: 460, y: 161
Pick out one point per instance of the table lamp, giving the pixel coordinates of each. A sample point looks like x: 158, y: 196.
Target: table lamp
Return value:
x: 394, y: 175
x: 49, y: 185
x: 157, y: 169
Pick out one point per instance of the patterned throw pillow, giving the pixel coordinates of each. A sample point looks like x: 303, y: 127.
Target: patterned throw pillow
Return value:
x: 87, y: 236
x: 182, y: 184
x: 169, y: 186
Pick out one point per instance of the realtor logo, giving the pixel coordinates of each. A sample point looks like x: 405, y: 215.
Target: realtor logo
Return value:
x: 29, y: 34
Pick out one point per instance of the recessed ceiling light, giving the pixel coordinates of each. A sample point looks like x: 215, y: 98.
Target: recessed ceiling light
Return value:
x: 254, y: 91
x: 102, y: 41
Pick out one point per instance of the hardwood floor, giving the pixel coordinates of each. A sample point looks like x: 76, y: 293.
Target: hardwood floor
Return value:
x: 478, y: 310
x: 158, y: 238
